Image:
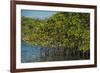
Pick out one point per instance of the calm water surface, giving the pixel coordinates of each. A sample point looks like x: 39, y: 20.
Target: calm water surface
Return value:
x: 38, y: 54
x: 29, y: 53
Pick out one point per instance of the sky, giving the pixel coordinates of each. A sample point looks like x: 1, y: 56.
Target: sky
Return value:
x: 40, y: 14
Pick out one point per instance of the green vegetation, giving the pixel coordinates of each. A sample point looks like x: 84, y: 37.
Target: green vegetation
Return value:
x: 66, y: 33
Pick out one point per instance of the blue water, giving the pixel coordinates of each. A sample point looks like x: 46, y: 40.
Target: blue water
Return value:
x: 39, y: 54
x: 29, y: 53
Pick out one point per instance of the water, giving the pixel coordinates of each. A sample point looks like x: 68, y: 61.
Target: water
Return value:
x: 40, y: 54
x: 29, y: 53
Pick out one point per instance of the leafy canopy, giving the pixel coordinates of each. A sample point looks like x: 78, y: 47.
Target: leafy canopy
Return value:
x: 61, y: 30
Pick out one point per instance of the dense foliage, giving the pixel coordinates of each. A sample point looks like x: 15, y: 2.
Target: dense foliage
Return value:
x: 63, y: 30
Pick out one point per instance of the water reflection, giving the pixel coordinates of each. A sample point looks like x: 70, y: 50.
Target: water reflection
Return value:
x: 40, y: 54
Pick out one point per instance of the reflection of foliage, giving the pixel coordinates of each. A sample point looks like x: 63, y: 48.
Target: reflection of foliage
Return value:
x: 62, y: 30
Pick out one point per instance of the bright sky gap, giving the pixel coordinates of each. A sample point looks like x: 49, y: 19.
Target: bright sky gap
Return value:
x: 38, y: 14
